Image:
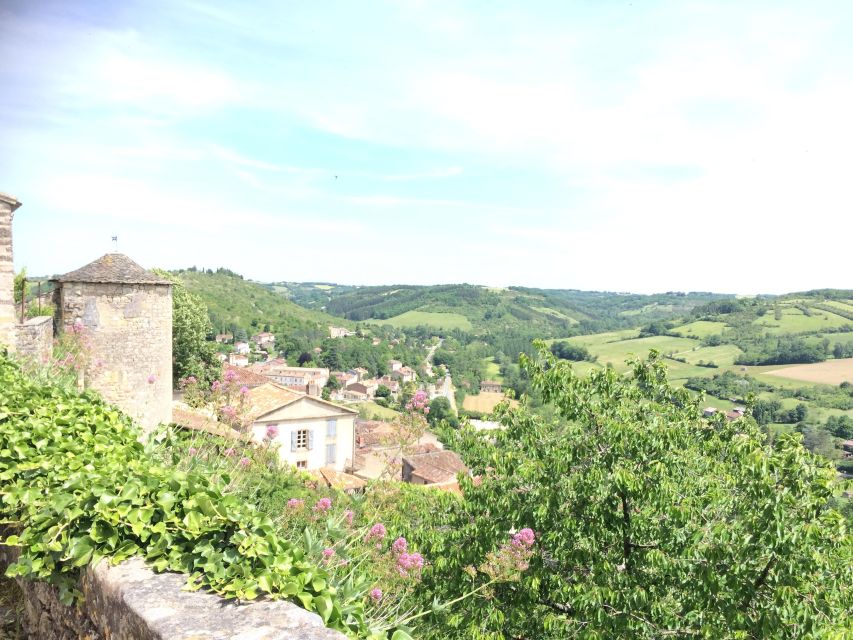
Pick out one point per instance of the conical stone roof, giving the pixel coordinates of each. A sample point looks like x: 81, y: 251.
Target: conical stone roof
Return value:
x: 113, y: 268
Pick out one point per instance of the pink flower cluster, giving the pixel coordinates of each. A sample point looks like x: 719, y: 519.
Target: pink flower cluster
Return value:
x: 272, y: 432
x: 524, y: 538
x: 228, y: 411
x: 419, y: 402
x: 295, y: 503
x: 348, y: 516
x: 377, y: 532
x: 376, y: 594
x: 323, y: 505
x: 328, y: 553
x: 400, y: 545
x: 408, y: 562
x: 230, y: 375
x: 230, y: 452
x: 245, y: 462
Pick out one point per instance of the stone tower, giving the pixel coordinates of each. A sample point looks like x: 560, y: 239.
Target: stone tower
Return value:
x: 8, y: 321
x: 124, y: 314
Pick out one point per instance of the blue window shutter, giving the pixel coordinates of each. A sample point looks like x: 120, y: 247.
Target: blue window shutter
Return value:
x: 310, y: 439
x: 293, y: 441
x: 331, y: 454
x: 331, y: 428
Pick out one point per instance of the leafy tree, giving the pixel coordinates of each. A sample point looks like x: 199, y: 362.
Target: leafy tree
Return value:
x: 382, y: 391
x: 568, y: 351
x: 192, y: 354
x: 440, y: 409
x: 652, y: 522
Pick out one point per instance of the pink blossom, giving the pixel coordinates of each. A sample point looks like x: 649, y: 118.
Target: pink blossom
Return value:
x: 295, y: 503
x: 376, y: 594
x: 323, y: 505
x: 229, y: 412
x: 214, y: 386
x: 328, y: 553
x: 272, y: 432
x: 400, y: 545
x: 244, y: 390
x: 152, y: 378
x: 377, y: 531
x: 524, y: 538
x: 349, y: 515
x: 407, y: 562
x: 230, y: 375
x: 192, y: 451
x: 191, y: 380
x: 426, y: 410
x: 229, y: 452
x: 245, y: 462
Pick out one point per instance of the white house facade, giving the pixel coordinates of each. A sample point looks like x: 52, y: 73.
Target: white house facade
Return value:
x: 310, y: 433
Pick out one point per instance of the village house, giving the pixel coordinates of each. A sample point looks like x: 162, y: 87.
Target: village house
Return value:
x: 345, y: 378
x: 311, y: 433
x: 360, y: 387
x: 224, y: 338
x: 242, y: 347
x: 264, y: 339
x: 394, y: 365
x: 340, y: 332
x: 404, y: 374
x: 299, y: 378
x: 376, y: 342
x: 360, y: 372
x: 491, y: 386
x: 391, y: 383
x: 353, y: 393
x: 436, y: 468
x: 378, y: 448
x: 238, y: 359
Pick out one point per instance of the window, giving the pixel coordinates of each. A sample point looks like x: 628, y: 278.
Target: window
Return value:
x: 301, y: 439
x: 331, y: 453
x: 331, y: 428
x: 302, y: 464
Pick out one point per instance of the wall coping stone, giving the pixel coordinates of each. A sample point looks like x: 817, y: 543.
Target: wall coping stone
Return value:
x: 131, y: 589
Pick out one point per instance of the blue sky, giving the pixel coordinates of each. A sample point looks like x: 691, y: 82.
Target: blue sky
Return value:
x: 630, y: 146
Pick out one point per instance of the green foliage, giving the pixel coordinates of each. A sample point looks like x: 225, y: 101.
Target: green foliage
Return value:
x: 192, y: 354
x: 568, y: 351
x: 653, y: 522
x: 78, y: 486
x: 440, y: 409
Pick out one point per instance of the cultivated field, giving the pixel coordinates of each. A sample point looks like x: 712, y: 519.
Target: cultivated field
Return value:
x: 723, y: 355
x: 428, y: 319
x: 484, y: 402
x: 793, y: 320
x: 493, y: 369
x: 830, y: 372
x: 700, y: 329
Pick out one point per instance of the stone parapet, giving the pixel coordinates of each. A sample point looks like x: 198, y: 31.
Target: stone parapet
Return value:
x: 129, y: 601
x: 8, y: 204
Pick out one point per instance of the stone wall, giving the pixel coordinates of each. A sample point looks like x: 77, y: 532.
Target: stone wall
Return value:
x: 8, y: 204
x: 128, y: 331
x: 129, y: 601
x: 34, y: 339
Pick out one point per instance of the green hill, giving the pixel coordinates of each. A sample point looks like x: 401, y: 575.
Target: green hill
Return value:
x: 233, y: 301
x: 544, y: 312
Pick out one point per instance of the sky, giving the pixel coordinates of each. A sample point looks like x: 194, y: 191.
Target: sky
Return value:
x: 637, y: 145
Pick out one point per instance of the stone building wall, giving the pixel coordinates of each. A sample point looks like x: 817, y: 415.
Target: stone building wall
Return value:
x: 8, y: 204
x: 128, y: 331
x: 34, y: 339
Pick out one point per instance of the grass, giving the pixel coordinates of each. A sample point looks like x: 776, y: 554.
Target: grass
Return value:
x: 596, y: 339
x: 700, y: 329
x: 381, y: 413
x: 556, y: 314
x: 840, y: 304
x: 723, y: 355
x: 793, y: 320
x: 617, y: 352
x: 427, y: 318
x: 493, y: 369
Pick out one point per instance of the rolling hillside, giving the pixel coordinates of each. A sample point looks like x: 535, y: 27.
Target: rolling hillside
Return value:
x: 231, y: 300
x: 547, y: 313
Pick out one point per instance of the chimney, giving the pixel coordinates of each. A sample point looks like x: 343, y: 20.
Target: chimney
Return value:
x: 8, y: 204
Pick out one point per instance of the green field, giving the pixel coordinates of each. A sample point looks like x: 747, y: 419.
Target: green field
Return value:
x: 493, y: 369
x: 596, y: 339
x: 843, y: 305
x: 723, y: 355
x: 793, y: 320
x: 700, y: 329
x: 428, y: 319
x: 556, y: 314
x: 371, y: 410
x: 617, y: 352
